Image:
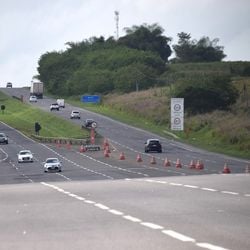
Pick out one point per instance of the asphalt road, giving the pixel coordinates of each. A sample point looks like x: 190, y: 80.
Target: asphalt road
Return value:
x: 100, y: 202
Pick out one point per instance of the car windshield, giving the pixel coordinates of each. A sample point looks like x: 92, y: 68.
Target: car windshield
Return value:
x: 24, y: 152
x: 154, y: 142
x: 2, y: 135
x: 52, y: 161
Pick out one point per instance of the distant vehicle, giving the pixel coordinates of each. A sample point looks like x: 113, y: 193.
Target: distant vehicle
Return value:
x: 61, y: 103
x: 75, y: 114
x: 25, y: 156
x: 52, y: 164
x: 4, y: 138
x: 36, y: 89
x: 9, y: 85
x: 54, y: 106
x: 153, y: 145
x: 33, y: 98
x: 89, y: 123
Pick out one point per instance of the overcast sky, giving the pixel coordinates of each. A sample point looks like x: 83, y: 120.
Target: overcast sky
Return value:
x: 30, y: 28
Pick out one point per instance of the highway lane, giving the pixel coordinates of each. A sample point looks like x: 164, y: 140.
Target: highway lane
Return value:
x: 131, y: 140
x: 193, y: 212
x: 105, y: 203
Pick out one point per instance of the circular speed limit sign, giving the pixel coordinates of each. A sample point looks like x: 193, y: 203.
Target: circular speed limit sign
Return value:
x: 177, y: 121
x: 177, y: 107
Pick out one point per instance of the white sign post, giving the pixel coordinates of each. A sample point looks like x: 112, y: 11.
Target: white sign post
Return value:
x: 177, y: 113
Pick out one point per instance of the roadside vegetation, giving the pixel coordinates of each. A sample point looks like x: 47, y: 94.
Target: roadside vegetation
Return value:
x: 23, y: 116
x: 136, y: 79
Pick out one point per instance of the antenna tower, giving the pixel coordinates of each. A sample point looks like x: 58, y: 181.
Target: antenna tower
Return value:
x: 117, y: 24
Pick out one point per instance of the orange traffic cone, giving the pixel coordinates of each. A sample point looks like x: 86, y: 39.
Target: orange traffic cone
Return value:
x: 58, y: 143
x: 107, y: 149
x: 192, y: 164
x: 106, y: 153
x: 199, y: 165
x: 178, y: 164
x: 167, y: 163
x: 226, y: 169
x: 138, y: 158
x: 247, y: 170
x: 122, y: 156
x: 152, y: 161
x: 105, y: 143
x: 68, y: 145
x: 82, y: 149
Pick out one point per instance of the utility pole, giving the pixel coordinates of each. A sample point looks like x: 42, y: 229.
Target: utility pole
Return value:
x: 117, y: 24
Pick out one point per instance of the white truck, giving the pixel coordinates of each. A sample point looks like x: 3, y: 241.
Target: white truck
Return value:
x: 36, y: 89
x: 61, y: 103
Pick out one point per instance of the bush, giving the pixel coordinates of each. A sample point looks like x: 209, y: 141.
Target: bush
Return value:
x: 204, y: 93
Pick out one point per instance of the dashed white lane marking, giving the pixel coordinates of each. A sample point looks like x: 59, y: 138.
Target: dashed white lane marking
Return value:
x: 210, y: 247
x: 6, y: 155
x: 116, y: 212
x: 150, y: 225
x: 190, y: 186
x: 131, y: 218
x: 209, y: 189
x: 187, y: 186
x: 77, y: 165
x: 175, y: 184
x: 228, y: 192
x: 111, y: 166
x: 65, y: 177
x: 101, y: 206
x: 178, y: 236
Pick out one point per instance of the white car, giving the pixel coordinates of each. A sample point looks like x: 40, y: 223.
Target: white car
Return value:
x: 52, y: 164
x: 33, y: 98
x: 54, y: 106
x: 75, y: 114
x: 25, y: 156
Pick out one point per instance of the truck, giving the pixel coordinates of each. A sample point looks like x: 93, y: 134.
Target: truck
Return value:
x: 36, y: 89
x: 61, y: 103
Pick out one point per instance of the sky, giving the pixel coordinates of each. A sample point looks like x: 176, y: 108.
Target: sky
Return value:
x: 30, y: 28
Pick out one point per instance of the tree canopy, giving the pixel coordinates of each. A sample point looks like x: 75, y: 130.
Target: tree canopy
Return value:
x: 203, y: 50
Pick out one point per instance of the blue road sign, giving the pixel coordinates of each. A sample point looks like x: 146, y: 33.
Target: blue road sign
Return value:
x: 91, y: 98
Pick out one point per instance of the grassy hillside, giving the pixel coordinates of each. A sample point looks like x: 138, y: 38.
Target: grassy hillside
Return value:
x: 220, y: 131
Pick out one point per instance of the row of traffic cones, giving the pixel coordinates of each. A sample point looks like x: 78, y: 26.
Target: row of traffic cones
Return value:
x: 198, y: 165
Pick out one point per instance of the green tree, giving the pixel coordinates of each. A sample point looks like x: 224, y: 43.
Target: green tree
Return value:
x: 147, y: 38
x: 203, y: 50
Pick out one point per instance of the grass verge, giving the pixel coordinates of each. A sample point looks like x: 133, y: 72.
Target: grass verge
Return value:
x: 23, y: 116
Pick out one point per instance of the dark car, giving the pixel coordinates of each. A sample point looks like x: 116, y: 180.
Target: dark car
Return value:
x: 153, y: 145
x: 9, y: 85
x: 3, y: 138
x: 89, y: 123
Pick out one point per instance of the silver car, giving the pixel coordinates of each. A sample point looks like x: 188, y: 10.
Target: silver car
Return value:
x: 52, y: 164
x: 25, y: 156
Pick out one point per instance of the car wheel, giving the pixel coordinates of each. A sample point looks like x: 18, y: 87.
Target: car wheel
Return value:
x: 59, y: 170
x: 6, y: 142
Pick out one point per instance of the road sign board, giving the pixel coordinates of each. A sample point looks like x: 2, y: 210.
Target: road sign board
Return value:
x: 91, y: 98
x: 177, y: 113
